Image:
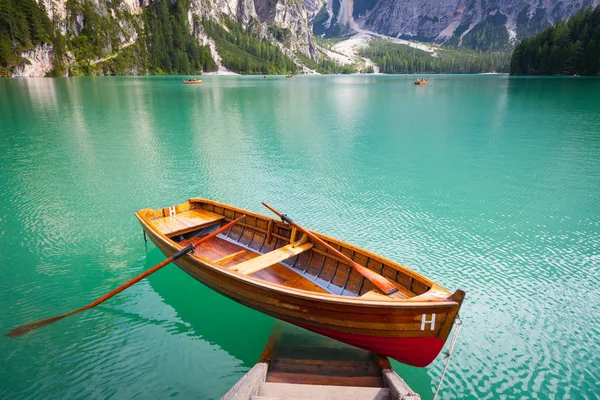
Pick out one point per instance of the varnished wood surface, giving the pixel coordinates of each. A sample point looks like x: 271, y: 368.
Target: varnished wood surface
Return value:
x: 321, y: 309
x: 302, y: 365
x: 248, y: 386
x: 302, y: 357
x: 231, y: 257
x: 255, y: 232
x: 268, y: 259
x: 318, y: 379
x: 290, y: 391
x: 227, y: 254
x: 289, y: 290
x: 184, y: 222
x: 378, y: 295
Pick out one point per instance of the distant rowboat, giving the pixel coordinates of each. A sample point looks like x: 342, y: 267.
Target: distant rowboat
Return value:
x: 421, y: 81
x: 192, y: 82
x: 308, y: 279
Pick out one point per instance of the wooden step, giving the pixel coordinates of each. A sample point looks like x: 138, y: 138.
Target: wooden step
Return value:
x: 271, y: 258
x: 324, y: 380
x: 272, y: 398
x: 334, y: 352
x: 299, y: 391
x: 327, y: 368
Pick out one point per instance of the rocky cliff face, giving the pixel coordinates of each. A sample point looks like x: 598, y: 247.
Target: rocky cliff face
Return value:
x: 443, y: 20
x: 40, y: 62
x: 289, y: 18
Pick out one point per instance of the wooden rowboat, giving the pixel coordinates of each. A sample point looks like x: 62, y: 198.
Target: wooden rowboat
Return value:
x: 193, y: 82
x: 266, y: 264
x: 421, y: 82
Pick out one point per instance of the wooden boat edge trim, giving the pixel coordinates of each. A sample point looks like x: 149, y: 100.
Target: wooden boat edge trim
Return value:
x: 400, y: 303
x: 370, y: 254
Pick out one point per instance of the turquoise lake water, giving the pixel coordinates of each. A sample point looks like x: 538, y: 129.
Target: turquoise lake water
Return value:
x: 486, y: 183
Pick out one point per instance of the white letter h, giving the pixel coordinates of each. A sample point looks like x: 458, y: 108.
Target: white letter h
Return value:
x: 425, y: 321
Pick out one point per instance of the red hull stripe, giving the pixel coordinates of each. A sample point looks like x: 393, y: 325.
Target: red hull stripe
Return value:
x: 418, y: 352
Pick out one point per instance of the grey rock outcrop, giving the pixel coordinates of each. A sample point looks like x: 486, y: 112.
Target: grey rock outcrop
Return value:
x: 440, y: 20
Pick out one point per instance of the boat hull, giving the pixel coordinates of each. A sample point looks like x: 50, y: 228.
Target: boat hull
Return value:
x: 412, y: 332
x: 415, y: 351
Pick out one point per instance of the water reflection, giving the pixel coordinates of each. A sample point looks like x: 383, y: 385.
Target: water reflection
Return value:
x: 43, y: 93
x: 234, y: 328
x: 486, y: 183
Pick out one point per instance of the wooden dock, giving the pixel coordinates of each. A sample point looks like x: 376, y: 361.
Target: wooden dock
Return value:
x: 297, y: 364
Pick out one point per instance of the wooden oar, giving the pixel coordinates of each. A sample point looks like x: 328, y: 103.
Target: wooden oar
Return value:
x: 20, y: 330
x: 381, y: 282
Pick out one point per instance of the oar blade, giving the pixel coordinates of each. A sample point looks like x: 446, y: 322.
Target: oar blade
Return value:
x: 381, y: 282
x: 23, y: 329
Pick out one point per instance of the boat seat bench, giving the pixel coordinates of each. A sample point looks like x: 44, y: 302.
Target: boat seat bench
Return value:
x: 184, y: 222
x: 271, y: 258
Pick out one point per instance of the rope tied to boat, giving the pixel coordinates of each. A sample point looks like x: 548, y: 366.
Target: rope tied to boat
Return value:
x: 458, y: 323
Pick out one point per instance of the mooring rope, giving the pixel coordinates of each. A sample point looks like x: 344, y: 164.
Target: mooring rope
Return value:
x: 458, y: 323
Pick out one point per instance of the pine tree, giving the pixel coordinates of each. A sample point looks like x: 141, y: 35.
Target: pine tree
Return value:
x: 568, y: 47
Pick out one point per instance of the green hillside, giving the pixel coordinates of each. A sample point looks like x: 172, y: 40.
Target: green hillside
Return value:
x: 23, y: 25
x: 570, y: 47
x: 95, y: 40
x: 394, y: 58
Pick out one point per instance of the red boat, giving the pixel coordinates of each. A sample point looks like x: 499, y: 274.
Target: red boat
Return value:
x: 308, y: 279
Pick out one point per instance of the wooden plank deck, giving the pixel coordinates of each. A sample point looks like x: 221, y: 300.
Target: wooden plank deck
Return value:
x: 185, y: 222
x: 300, y: 365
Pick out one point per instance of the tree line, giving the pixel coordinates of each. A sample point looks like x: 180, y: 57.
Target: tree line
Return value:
x: 243, y: 50
x: 23, y: 25
x: 165, y: 45
x: 394, y: 58
x: 569, y: 47
x: 171, y: 48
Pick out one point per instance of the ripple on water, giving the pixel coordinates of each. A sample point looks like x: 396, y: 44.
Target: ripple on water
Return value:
x: 503, y: 205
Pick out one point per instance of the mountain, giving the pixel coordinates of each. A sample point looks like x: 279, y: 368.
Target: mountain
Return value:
x: 124, y: 37
x: 478, y: 24
x: 567, y: 48
x: 83, y: 37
